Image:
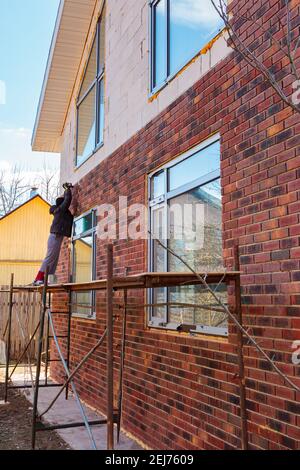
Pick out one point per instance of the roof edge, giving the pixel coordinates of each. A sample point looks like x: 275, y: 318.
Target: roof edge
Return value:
x: 37, y: 196
x: 47, y: 71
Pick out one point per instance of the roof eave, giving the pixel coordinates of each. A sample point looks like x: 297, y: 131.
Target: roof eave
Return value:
x: 73, y: 22
x: 35, y: 146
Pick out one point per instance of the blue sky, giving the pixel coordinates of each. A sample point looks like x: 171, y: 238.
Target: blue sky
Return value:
x: 26, y: 28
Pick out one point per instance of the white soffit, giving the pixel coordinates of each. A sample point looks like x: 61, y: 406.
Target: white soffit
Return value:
x: 69, y: 38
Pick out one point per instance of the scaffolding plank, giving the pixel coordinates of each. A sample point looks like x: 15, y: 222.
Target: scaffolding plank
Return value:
x: 140, y: 281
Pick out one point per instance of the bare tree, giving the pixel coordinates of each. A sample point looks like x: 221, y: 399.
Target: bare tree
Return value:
x: 12, y: 188
x: 15, y: 186
x: 48, y: 184
x: 288, y: 45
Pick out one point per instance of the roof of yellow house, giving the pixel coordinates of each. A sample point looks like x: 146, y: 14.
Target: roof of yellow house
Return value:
x: 24, y: 231
x: 37, y: 196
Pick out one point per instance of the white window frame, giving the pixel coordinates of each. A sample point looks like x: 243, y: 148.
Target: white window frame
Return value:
x: 93, y: 232
x: 98, y: 81
x: 154, y: 88
x: 162, y: 201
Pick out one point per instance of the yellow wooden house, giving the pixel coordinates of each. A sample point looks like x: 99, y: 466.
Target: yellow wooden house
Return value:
x: 23, y: 240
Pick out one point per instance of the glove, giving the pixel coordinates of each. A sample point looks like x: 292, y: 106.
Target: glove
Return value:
x: 67, y: 186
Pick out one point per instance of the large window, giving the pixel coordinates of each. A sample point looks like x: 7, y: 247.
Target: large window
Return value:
x: 179, y: 30
x: 84, y: 263
x: 90, y: 102
x: 186, y: 215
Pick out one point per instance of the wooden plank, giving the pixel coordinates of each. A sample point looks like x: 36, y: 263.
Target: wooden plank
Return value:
x: 141, y: 281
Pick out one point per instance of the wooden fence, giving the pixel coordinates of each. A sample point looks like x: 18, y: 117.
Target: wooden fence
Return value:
x: 26, y: 312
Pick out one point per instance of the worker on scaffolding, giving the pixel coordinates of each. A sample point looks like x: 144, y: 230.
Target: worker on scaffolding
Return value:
x: 60, y: 228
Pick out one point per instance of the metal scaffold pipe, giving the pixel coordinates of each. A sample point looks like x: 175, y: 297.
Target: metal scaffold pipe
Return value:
x: 109, y: 352
x: 39, y: 358
x: 80, y: 406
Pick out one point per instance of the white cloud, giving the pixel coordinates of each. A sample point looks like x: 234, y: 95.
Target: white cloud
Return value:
x: 2, y: 92
x: 17, y: 132
x: 15, y: 148
x: 195, y: 13
x: 5, y: 166
x: 29, y: 176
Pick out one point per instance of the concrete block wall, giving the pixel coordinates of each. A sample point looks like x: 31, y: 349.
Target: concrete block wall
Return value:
x: 127, y: 105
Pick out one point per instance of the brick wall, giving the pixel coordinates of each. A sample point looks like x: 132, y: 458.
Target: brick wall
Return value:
x: 181, y: 392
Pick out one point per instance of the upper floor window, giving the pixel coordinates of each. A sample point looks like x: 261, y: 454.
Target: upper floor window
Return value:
x: 186, y: 214
x: 84, y: 263
x: 90, y: 101
x: 179, y: 29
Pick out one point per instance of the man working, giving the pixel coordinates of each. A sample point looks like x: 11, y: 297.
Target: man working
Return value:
x: 60, y: 228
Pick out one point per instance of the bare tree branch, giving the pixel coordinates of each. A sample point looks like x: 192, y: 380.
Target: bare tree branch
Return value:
x: 15, y: 183
x: 48, y: 184
x: 285, y: 46
x: 12, y: 188
x: 230, y: 315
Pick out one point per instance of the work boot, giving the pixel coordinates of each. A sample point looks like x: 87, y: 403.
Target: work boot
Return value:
x: 37, y: 283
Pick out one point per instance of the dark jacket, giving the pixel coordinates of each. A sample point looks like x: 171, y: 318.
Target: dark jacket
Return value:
x: 63, y: 219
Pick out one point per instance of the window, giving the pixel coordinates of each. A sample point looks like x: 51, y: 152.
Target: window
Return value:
x: 84, y: 263
x: 90, y: 102
x: 179, y: 29
x: 186, y: 214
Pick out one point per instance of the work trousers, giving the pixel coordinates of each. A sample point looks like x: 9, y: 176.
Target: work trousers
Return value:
x: 53, y: 252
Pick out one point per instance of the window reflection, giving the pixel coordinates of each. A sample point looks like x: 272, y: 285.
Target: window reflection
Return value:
x: 197, y: 295
x: 196, y: 229
x: 86, y: 126
x: 189, y: 220
x: 159, y: 259
x: 201, y: 163
x: 101, y: 113
x: 158, y: 185
x: 84, y: 262
x: 90, y: 101
x: 90, y: 72
x: 200, y: 246
x: 101, y: 43
x: 84, y: 224
x: 83, y: 253
x: 191, y: 24
x: 160, y: 46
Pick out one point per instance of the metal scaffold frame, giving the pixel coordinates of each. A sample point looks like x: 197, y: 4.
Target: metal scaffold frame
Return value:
x: 110, y: 285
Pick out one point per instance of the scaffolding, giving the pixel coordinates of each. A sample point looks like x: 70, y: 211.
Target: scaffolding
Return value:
x: 110, y: 285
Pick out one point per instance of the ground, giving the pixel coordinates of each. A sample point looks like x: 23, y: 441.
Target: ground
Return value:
x: 16, y: 419
x: 15, y: 426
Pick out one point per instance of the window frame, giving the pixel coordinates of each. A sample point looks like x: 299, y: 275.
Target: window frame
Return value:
x: 98, y: 80
x: 169, y: 76
x: 92, y: 231
x: 153, y: 4
x: 162, y: 201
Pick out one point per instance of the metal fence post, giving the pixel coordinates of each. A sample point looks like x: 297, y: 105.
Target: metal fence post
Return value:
x: 8, y: 348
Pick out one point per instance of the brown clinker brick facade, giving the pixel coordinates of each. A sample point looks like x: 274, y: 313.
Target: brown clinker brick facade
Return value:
x: 180, y: 391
